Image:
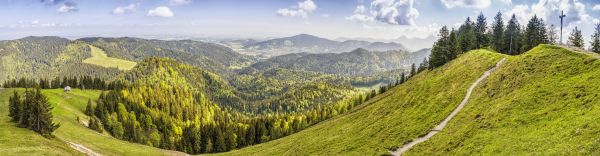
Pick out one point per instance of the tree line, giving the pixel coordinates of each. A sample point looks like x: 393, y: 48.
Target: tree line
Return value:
x: 84, y: 82
x: 511, y: 38
x: 32, y: 111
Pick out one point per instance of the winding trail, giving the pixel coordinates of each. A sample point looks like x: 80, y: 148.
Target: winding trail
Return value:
x: 443, y: 124
x: 83, y: 149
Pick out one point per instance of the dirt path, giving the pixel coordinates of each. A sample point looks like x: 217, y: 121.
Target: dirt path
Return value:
x: 443, y: 124
x: 83, y: 149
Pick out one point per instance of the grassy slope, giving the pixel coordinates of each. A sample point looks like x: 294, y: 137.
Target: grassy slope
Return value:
x: 99, y: 58
x: 67, y: 106
x: 544, y: 102
x: 391, y: 119
x: 21, y: 141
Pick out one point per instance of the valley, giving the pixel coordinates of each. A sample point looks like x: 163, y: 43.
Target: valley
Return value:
x: 299, y: 77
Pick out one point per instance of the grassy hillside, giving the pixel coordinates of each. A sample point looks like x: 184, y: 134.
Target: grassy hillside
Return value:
x: 67, y: 107
x: 22, y: 141
x: 544, y: 102
x: 99, y: 58
x: 391, y: 119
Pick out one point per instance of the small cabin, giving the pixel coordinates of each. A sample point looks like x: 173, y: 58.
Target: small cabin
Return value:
x: 67, y: 89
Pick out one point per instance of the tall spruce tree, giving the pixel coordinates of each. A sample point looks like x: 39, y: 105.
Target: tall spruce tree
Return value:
x: 42, y: 120
x: 512, y: 36
x: 498, y: 33
x: 466, y: 35
x: 596, y: 39
x: 535, y: 34
x: 481, y: 39
x: 14, y: 106
x: 89, y: 108
x: 576, y: 39
x: 441, y: 49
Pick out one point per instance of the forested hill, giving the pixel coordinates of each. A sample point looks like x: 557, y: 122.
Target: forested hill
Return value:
x: 313, y: 44
x: 47, y: 57
x: 213, y: 57
x: 157, y: 72
x: 359, y: 62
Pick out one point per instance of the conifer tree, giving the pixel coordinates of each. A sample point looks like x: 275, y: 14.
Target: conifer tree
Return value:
x: 440, y: 52
x: 498, y: 34
x: 535, y: 34
x: 596, y: 39
x: 14, y: 106
x: 42, y: 121
x: 576, y: 39
x: 512, y: 37
x: 466, y: 34
x: 89, y: 109
x: 481, y: 40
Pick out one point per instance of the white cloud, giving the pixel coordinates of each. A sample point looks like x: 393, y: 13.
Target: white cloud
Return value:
x: 360, y: 9
x: 549, y: 10
x: 68, y: 7
x: 324, y: 15
x: 596, y: 7
x: 179, y: 2
x: 126, y: 9
x: 396, y: 12
x: 300, y: 10
x: 479, y: 4
x: 161, y: 11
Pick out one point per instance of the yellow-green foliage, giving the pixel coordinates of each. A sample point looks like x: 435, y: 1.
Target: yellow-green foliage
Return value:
x: 67, y: 107
x: 543, y: 102
x: 101, y: 59
x: 391, y: 119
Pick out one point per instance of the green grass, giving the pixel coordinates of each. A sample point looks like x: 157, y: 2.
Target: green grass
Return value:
x: 22, y: 141
x: 100, y: 58
x: 67, y: 107
x: 544, y: 102
x: 391, y: 119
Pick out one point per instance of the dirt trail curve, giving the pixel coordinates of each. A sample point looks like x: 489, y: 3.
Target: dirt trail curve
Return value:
x: 443, y: 124
x: 83, y: 149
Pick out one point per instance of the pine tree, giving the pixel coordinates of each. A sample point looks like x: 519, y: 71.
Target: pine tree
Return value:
x: 596, y: 39
x: 402, y: 78
x: 481, y: 40
x: 535, y: 34
x: 14, y: 106
x: 576, y: 39
x: 466, y: 34
x: 89, y: 109
x: 441, y: 51
x: 43, y: 119
x: 512, y: 37
x: 498, y: 34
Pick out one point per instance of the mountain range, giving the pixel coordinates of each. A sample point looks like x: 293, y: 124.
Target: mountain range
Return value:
x: 305, y: 43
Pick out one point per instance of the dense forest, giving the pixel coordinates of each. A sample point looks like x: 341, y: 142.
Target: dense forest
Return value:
x: 165, y: 105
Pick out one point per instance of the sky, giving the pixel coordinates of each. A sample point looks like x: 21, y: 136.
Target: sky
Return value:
x: 377, y: 19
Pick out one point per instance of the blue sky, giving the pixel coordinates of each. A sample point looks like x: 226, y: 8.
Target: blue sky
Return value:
x: 382, y: 19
